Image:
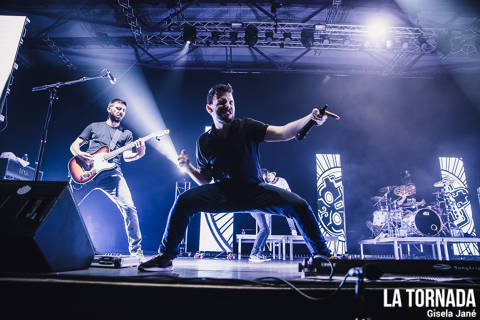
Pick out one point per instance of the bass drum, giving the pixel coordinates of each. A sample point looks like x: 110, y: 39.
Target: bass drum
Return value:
x: 425, y: 222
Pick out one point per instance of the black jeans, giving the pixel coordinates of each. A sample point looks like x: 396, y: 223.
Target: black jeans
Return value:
x: 231, y: 196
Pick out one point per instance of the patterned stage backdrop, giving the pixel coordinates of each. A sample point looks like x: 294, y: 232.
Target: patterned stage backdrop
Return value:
x: 452, y: 169
x: 216, y: 230
x: 330, y: 203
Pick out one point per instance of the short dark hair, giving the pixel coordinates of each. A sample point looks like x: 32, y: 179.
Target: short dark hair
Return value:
x: 218, y: 90
x: 117, y: 100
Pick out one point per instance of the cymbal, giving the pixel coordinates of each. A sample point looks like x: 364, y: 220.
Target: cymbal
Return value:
x: 405, y: 190
x: 443, y: 183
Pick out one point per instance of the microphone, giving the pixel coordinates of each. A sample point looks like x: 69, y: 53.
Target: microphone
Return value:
x: 303, y: 132
x: 110, y: 77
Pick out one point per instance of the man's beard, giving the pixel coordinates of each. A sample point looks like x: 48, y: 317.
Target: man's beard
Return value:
x: 113, y: 118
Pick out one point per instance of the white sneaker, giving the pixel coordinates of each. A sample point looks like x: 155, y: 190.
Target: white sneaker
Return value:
x: 258, y: 258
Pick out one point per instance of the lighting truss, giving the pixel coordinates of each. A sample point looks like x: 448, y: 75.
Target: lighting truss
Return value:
x: 402, y: 39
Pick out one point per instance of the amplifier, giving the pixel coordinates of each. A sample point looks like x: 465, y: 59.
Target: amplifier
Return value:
x: 12, y: 170
x: 115, y: 261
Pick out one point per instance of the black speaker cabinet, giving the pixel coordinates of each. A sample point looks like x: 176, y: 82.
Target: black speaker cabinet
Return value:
x: 41, y: 229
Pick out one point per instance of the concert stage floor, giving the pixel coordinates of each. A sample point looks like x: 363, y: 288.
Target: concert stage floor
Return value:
x: 216, y: 288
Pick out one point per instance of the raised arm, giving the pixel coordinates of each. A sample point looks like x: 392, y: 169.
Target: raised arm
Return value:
x: 194, y: 173
x: 289, y: 130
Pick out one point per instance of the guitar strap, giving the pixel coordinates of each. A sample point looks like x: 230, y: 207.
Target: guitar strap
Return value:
x: 115, y: 137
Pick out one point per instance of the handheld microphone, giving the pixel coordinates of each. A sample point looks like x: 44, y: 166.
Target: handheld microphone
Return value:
x: 110, y: 77
x: 303, y: 132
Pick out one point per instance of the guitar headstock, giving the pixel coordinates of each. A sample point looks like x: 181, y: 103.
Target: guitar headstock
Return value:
x: 160, y: 133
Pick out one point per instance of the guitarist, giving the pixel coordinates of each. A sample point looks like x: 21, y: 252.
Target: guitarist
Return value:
x: 111, y: 182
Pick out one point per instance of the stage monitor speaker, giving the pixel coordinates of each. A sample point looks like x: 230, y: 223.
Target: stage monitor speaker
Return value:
x: 41, y: 229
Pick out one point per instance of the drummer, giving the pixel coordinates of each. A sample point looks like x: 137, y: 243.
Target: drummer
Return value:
x: 406, y: 192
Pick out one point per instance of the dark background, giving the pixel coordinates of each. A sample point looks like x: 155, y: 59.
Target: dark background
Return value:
x: 388, y: 125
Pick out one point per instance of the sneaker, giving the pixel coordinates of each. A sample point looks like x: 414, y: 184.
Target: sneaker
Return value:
x: 159, y: 262
x: 258, y: 258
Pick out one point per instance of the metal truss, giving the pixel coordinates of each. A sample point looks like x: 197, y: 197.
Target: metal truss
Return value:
x: 327, y: 36
x: 56, y: 49
x: 127, y: 10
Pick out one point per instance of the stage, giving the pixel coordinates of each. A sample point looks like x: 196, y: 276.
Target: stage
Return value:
x: 215, y: 288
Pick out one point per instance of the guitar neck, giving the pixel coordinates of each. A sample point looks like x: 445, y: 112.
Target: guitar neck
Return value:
x: 116, y: 152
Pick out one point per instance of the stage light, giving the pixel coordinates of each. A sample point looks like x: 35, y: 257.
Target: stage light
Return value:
x: 269, y: 36
x: 233, y: 37
x: 251, y: 35
x: 325, y: 41
x: 237, y: 25
x: 320, y: 27
x: 347, y: 41
x: 377, y: 29
x: 189, y: 33
x: 306, y: 37
x: 427, y: 45
x: 287, y: 37
x: 405, y: 45
x: 388, y: 44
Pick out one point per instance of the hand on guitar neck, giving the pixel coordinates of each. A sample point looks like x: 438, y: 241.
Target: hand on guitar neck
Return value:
x: 84, y: 166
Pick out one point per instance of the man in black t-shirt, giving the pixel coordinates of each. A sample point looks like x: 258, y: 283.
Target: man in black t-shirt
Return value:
x: 228, y: 154
x: 111, y: 182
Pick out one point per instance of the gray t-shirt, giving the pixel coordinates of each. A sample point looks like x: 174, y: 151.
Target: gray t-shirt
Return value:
x: 100, y: 134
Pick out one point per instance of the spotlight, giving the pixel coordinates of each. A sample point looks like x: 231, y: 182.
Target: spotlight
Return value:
x: 306, y: 37
x: 405, y: 45
x: 427, y: 45
x: 388, y: 44
x: 237, y: 25
x: 287, y: 37
x: 269, y: 36
x: 251, y: 35
x: 189, y: 33
x: 325, y: 41
x: 233, y: 36
x: 377, y: 29
x: 320, y: 27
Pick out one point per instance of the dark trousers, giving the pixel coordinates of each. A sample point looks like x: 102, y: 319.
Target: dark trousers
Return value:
x: 228, y: 196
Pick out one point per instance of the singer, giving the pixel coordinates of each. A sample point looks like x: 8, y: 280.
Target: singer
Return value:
x: 111, y: 182
x: 228, y: 154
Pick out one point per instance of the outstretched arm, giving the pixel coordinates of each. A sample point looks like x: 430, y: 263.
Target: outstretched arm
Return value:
x: 289, y: 130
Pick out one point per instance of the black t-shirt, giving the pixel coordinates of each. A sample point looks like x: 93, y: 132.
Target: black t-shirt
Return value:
x: 100, y: 134
x: 235, y: 157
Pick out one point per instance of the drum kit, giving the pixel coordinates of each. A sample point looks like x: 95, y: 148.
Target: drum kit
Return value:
x: 398, y: 214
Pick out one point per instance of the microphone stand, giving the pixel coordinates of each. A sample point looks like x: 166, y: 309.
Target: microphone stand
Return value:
x: 52, y: 88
